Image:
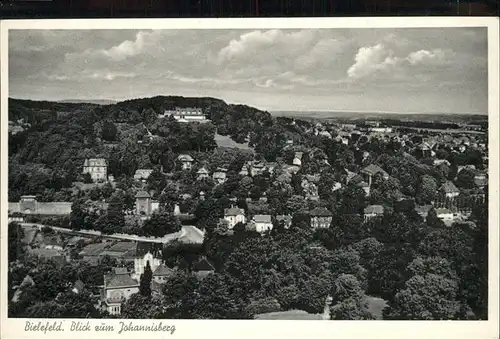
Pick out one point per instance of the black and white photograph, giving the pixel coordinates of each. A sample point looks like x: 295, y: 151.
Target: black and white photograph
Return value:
x: 250, y: 174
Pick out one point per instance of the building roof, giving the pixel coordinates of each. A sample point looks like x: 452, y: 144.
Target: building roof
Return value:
x: 320, y: 212
x: 95, y: 162
x: 142, y: 194
x: 94, y: 249
x: 144, y: 247
x: 289, y: 315
x: 262, y: 218
x: 449, y: 187
x: 362, y: 184
x: 114, y: 280
x: 163, y: 270
x: 373, y: 169
x: 423, y: 209
x: 202, y: 170
x: 374, y: 209
x: 27, y: 281
x: 122, y: 246
x: 286, y: 218
x: 185, y: 158
x: 443, y: 211
x: 79, y: 285
x: 234, y: 211
x: 203, y: 265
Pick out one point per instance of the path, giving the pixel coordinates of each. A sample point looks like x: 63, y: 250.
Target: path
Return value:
x: 187, y: 234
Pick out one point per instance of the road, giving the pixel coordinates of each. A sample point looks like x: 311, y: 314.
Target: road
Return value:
x: 187, y: 234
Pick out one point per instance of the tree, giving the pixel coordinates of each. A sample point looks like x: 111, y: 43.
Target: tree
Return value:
x: 349, y: 301
x: 465, y: 179
x: 16, y: 233
x: 109, y: 131
x: 427, y: 297
x: 426, y: 190
x: 139, y: 306
x: 87, y: 178
x: 145, y: 283
x: 77, y: 216
x: 160, y: 224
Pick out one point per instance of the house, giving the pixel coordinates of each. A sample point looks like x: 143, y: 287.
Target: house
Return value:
x: 245, y: 169
x: 423, y: 210
x: 262, y: 223
x: 118, y: 288
x: 97, y: 168
x: 425, y: 149
x: 203, y: 268
x: 336, y: 186
x: 162, y: 273
x: 480, y: 179
x: 187, y: 114
x: 320, y: 218
x: 365, y: 186
x: 445, y: 215
x: 372, y: 211
x: 233, y: 216
x: 52, y: 242
x: 257, y: 169
x: 122, y: 250
x: 371, y: 170
x: 219, y: 176
x: 78, y: 287
x: 186, y: 161
x: 26, y: 283
x: 285, y: 219
x: 92, y: 252
x: 449, y: 190
x: 202, y: 174
x: 297, y: 159
x: 51, y: 254
x: 142, y: 174
x: 143, y: 203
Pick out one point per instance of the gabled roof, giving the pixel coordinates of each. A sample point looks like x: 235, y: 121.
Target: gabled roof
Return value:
x: 362, y: 184
x: 142, y: 194
x: 262, y: 218
x: 202, y: 170
x: 449, y: 187
x: 113, y: 280
x: 423, y: 209
x: 163, y: 270
x: 373, y: 169
x: 79, y: 285
x: 320, y: 212
x: 374, y: 209
x: 185, y: 157
x: 443, y: 211
x: 233, y: 211
x: 203, y: 265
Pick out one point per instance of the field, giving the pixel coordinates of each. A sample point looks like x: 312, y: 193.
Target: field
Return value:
x: 226, y: 141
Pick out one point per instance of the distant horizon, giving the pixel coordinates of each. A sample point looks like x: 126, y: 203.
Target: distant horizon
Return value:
x: 115, y: 101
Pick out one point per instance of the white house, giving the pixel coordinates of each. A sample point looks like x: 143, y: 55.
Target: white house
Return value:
x: 297, y: 160
x: 262, y: 223
x: 118, y: 288
x: 186, y: 161
x: 188, y: 114
x: 97, y: 168
x: 445, y: 215
x: 233, y: 216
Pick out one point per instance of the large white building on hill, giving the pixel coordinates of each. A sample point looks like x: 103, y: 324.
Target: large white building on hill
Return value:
x: 188, y: 114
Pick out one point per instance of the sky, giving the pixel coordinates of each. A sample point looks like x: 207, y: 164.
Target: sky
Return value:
x: 405, y: 70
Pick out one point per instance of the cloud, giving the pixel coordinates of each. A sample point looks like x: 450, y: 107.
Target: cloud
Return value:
x: 424, y: 57
x: 370, y: 60
x: 258, y: 41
